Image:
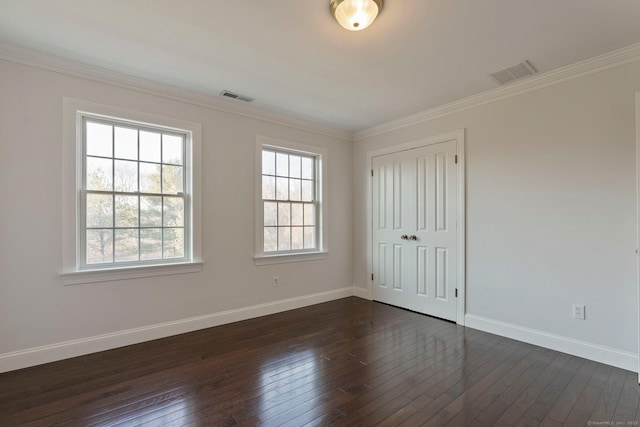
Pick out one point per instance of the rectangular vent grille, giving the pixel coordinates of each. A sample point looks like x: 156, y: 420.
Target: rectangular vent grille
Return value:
x: 518, y: 71
x: 236, y: 96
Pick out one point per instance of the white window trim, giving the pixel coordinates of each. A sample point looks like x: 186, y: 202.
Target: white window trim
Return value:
x: 260, y: 257
x: 71, y: 274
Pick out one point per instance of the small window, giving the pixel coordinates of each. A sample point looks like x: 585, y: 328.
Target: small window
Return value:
x: 289, y: 195
x: 134, y: 206
x: 291, y: 208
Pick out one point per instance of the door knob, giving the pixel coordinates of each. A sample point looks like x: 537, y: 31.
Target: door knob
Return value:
x: 404, y: 237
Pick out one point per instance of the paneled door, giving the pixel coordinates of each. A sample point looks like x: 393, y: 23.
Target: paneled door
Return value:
x: 414, y: 229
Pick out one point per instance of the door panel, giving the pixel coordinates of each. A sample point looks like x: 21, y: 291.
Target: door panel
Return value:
x: 414, y: 195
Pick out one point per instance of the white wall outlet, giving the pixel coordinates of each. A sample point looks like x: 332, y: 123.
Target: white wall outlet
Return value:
x: 578, y: 311
x: 275, y: 281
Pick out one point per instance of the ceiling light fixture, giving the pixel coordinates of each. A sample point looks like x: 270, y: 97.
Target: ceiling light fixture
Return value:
x: 355, y: 15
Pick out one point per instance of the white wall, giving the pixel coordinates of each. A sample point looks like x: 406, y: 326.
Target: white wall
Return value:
x: 36, y: 309
x: 550, y: 206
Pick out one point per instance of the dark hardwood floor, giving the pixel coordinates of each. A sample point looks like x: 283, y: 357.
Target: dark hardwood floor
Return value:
x: 346, y: 362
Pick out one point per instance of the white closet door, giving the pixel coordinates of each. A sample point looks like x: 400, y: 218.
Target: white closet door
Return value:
x: 414, y: 229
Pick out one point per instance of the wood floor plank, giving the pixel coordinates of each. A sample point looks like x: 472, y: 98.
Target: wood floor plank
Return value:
x: 561, y: 409
x: 586, y: 401
x: 531, y: 393
x: 545, y: 401
x: 357, y: 363
x: 627, y: 404
x: 493, y: 393
x: 471, y: 404
x: 460, y: 411
x: 380, y: 395
x: 604, y: 407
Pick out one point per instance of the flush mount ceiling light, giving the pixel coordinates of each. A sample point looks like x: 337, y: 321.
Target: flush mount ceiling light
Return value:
x: 355, y: 15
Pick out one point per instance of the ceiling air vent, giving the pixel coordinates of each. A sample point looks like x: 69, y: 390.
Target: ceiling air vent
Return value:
x: 236, y: 96
x: 523, y: 69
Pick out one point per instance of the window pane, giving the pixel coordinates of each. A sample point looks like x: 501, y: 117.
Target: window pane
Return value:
x: 99, y: 246
x: 284, y: 238
x: 150, y: 146
x: 171, y: 179
x: 296, y: 213
x: 282, y: 164
x: 282, y: 189
x: 150, y: 211
x: 99, y: 174
x: 127, y: 245
x: 151, y: 243
x: 149, y: 178
x: 294, y: 166
x: 172, y: 149
x: 126, y: 211
x: 307, y: 168
x: 126, y: 176
x: 309, y: 237
x: 270, y: 239
x: 268, y: 187
x: 297, y: 239
x: 173, y: 212
x: 307, y: 191
x: 295, y: 189
x: 99, y: 140
x: 126, y: 143
x: 173, y: 242
x: 268, y: 163
x: 309, y: 214
x: 99, y: 210
x: 270, y: 213
x: 284, y: 214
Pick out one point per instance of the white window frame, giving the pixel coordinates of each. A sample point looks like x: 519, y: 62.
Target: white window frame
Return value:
x: 320, y: 154
x: 74, y: 270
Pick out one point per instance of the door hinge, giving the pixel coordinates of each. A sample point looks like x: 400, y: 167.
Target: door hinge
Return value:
x: 371, y: 276
x: 456, y: 159
x: 456, y: 292
x: 371, y: 172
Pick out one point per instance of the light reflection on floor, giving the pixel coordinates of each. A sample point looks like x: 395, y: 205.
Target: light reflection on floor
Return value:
x: 284, y: 376
x: 178, y: 411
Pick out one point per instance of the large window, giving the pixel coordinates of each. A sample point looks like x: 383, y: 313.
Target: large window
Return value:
x: 133, y: 200
x: 291, y: 214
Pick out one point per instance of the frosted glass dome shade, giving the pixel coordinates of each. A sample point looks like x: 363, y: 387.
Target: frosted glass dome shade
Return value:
x: 355, y: 15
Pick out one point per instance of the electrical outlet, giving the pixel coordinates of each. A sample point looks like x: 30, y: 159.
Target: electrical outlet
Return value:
x: 275, y: 281
x: 578, y: 311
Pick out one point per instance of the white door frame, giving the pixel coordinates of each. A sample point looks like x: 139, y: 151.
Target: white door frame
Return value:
x: 458, y: 136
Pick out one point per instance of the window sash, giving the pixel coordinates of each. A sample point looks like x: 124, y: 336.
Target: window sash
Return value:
x: 303, y: 226
x: 83, y: 262
x: 313, y: 201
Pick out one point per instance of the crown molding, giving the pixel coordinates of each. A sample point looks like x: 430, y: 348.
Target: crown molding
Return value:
x: 33, y: 58
x: 53, y: 63
x: 579, y: 69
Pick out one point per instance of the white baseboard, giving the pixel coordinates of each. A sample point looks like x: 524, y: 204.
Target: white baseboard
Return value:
x: 67, y: 349
x: 361, y: 292
x: 608, y: 355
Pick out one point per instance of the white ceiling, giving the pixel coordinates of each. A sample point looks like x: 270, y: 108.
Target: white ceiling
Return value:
x: 296, y: 60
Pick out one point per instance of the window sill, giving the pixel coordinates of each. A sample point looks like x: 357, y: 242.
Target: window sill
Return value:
x: 112, y: 274
x: 284, y: 258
